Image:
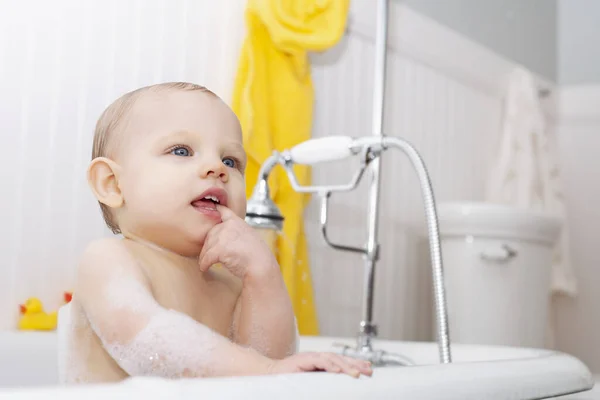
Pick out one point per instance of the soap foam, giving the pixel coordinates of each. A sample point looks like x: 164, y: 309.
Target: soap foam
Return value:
x: 146, y: 339
x: 124, y: 293
x: 74, y: 336
x: 172, y: 345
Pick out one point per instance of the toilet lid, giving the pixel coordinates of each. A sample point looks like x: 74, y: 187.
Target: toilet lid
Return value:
x: 497, y: 221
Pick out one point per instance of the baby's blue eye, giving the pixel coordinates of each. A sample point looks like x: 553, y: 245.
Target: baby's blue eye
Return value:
x: 230, y: 162
x: 180, y: 151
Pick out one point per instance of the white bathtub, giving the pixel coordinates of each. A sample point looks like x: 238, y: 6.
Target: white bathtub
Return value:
x: 28, y: 371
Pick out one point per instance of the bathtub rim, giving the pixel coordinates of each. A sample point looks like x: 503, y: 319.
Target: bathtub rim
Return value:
x: 561, y: 367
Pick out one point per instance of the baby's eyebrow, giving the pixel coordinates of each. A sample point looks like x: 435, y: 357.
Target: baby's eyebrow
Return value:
x: 164, y: 138
x: 238, y: 150
x: 179, y: 134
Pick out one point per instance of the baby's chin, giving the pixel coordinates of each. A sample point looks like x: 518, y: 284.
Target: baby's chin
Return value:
x: 197, y: 237
x: 188, y: 247
x: 185, y: 240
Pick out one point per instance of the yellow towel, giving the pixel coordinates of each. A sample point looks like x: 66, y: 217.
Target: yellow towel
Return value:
x: 273, y: 98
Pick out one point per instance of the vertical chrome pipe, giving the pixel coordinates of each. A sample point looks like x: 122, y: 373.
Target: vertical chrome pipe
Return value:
x: 380, y: 66
x: 367, y: 328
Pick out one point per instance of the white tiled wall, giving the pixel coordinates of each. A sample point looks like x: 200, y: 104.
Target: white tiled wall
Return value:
x: 579, y: 132
x: 452, y: 123
x: 61, y: 63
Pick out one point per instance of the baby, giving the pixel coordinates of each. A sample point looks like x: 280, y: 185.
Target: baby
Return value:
x: 190, y: 290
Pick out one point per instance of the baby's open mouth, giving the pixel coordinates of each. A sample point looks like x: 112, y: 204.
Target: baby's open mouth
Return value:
x: 209, y: 199
x: 208, y: 202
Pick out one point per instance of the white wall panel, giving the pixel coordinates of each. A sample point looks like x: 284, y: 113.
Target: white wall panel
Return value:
x: 444, y: 95
x: 578, y: 319
x: 61, y: 64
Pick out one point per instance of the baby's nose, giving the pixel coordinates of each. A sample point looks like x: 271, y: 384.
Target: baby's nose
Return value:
x: 216, y: 170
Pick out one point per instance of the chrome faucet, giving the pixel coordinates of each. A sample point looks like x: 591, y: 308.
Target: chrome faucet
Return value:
x: 262, y: 213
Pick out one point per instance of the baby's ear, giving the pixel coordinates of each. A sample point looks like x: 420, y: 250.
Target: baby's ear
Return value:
x: 103, y: 178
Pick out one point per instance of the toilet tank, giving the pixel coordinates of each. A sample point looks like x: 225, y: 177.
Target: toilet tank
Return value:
x: 497, y: 268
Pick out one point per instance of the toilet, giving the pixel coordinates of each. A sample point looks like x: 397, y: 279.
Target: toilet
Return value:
x: 497, y: 268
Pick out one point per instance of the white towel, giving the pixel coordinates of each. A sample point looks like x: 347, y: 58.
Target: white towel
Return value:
x: 526, y: 172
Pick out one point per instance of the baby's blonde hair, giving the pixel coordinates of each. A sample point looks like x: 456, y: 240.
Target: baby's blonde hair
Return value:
x: 113, y: 118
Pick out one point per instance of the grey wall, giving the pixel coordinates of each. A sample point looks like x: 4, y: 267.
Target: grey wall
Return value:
x: 524, y: 31
x: 579, y: 41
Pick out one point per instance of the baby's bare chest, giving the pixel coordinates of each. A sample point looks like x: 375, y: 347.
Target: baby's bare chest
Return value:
x: 208, y: 298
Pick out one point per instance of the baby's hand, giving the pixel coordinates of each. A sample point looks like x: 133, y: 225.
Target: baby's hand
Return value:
x: 328, y: 362
x: 237, y: 246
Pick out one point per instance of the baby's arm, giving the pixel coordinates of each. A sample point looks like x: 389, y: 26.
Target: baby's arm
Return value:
x: 264, y: 317
x: 145, y: 338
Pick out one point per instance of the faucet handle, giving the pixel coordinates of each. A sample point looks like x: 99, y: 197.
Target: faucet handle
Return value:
x: 318, y: 150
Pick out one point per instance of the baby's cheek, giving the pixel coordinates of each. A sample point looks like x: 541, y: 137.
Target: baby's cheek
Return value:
x: 239, y: 205
x: 152, y: 200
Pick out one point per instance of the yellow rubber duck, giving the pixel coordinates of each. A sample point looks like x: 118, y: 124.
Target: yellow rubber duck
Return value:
x: 35, y: 318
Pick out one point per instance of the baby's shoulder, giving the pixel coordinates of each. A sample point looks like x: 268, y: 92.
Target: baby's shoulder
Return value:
x: 105, y: 256
x: 103, y: 244
x: 104, y: 249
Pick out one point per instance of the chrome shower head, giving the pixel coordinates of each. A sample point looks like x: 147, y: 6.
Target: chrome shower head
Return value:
x: 261, y: 211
